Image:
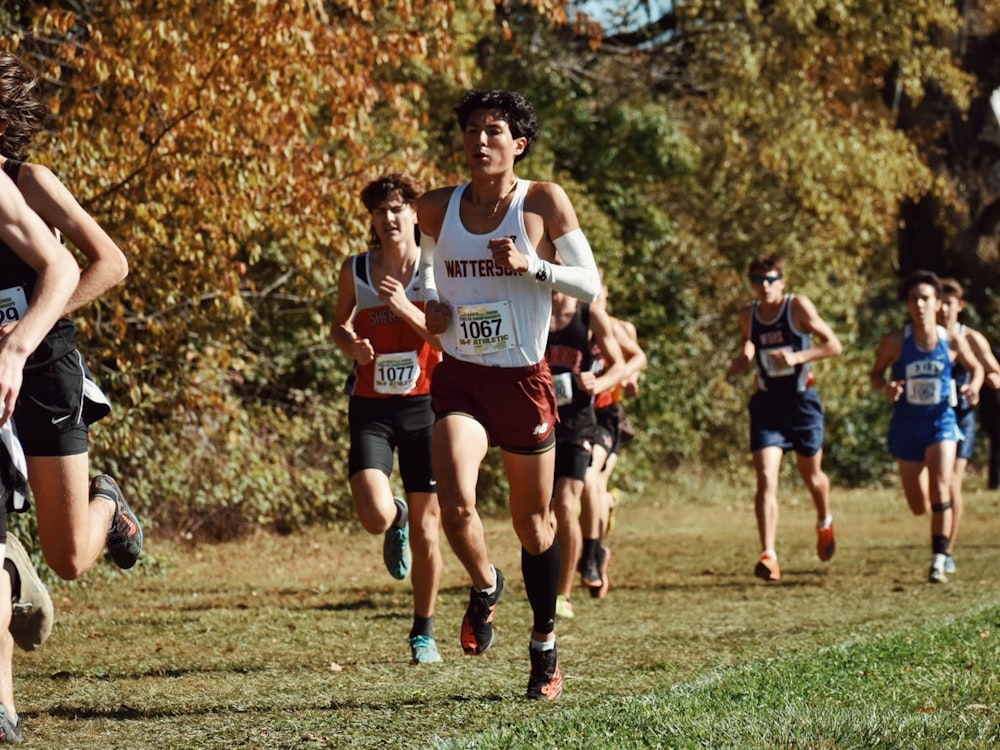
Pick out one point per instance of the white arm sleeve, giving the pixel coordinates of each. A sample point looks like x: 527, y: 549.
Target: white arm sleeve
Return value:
x: 428, y: 245
x: 578, y: 276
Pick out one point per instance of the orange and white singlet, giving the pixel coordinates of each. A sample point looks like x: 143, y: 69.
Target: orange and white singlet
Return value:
x: 615, y: 393
x: 403, y: 360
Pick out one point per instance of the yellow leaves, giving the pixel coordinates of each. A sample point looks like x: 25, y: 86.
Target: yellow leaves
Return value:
x: 223, y: 145
x: 54, y: 22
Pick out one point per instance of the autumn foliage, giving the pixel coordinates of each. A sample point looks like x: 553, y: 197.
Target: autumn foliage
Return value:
x: 224, y: 144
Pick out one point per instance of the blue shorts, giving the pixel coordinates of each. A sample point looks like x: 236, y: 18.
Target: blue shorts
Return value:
x: 910, y: 437
x: 967, y: 427
x: 790, y: 421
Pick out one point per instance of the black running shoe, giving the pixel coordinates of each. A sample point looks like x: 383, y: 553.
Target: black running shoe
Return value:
x: 603, y: 559
x: 590, y: 570
x: 477, y: 625
x: 545, y: 682
x: 125, y: 534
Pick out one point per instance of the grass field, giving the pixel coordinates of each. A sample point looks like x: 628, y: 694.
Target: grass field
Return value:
x: 299, y: 642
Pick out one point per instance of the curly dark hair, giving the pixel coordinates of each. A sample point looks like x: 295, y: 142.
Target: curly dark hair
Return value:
x: 21, y: 112
x: 379, y: 190
x: 518, y: 113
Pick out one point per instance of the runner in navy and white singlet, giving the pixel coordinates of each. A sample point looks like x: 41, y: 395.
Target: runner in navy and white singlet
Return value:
x: 782, y: 335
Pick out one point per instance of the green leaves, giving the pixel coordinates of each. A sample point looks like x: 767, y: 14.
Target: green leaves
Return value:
x: 225, y: 149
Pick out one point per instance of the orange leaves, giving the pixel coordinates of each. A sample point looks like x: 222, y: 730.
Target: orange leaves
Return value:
x: 224, y: 149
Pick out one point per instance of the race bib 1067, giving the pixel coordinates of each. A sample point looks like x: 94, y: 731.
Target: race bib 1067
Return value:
x: 484, y: 328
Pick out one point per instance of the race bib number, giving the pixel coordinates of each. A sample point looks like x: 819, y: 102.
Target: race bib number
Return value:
x: 562, y: 384
x: 772, y: 369
x: 485, y: 328
x: 396, y: 373
x: 923, y: 391
x: 13, y: 304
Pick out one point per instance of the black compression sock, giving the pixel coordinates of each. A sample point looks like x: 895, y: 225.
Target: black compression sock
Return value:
x: 541, y: 582
x: 422, y: 626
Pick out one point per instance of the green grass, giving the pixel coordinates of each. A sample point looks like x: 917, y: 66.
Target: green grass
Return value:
x: 299, y: 642
x: 929, y: 687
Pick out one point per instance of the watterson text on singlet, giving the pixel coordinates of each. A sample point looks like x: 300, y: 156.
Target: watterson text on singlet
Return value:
x: 485, y: 268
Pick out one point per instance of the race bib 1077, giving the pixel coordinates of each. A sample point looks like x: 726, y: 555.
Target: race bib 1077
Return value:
x: 396, y: 373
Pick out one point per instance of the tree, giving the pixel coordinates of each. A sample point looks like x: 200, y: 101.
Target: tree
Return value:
x: 797, y: 148
x: 224, y: 150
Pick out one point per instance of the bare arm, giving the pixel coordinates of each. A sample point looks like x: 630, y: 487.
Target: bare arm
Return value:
x: 603, y: 334
x: 741, y: 362
x: 343, y: 333
x: 635, y: 358
x: 57, y: 276
x: 106, y: 263
x: 889, y: 350
x: 806, y: 318
x: 393, y: 293
x: 984, y: 353
x: 970, y: 361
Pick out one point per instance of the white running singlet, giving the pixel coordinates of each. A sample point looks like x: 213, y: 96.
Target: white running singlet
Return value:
x: 499, y: 318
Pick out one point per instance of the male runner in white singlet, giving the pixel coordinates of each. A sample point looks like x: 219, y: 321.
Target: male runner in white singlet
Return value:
x: 489, y: 249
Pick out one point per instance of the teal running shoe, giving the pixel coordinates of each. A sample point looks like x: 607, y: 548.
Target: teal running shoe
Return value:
x: 396, y: 547
x: 424, y: 649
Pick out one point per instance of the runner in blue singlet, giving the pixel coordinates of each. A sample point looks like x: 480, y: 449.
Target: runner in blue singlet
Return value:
x: 923, y: 434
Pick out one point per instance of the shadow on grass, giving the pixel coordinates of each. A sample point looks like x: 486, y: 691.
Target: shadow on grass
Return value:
x: 127, y: 712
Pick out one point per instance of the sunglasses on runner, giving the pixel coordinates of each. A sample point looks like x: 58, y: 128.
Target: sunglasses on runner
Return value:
x: 770, y: 278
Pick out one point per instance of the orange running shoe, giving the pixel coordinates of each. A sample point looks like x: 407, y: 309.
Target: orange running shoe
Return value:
x: 767, y: 568
x: 545, y: 682
x: 826, y: 545
x: 477, y: 625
